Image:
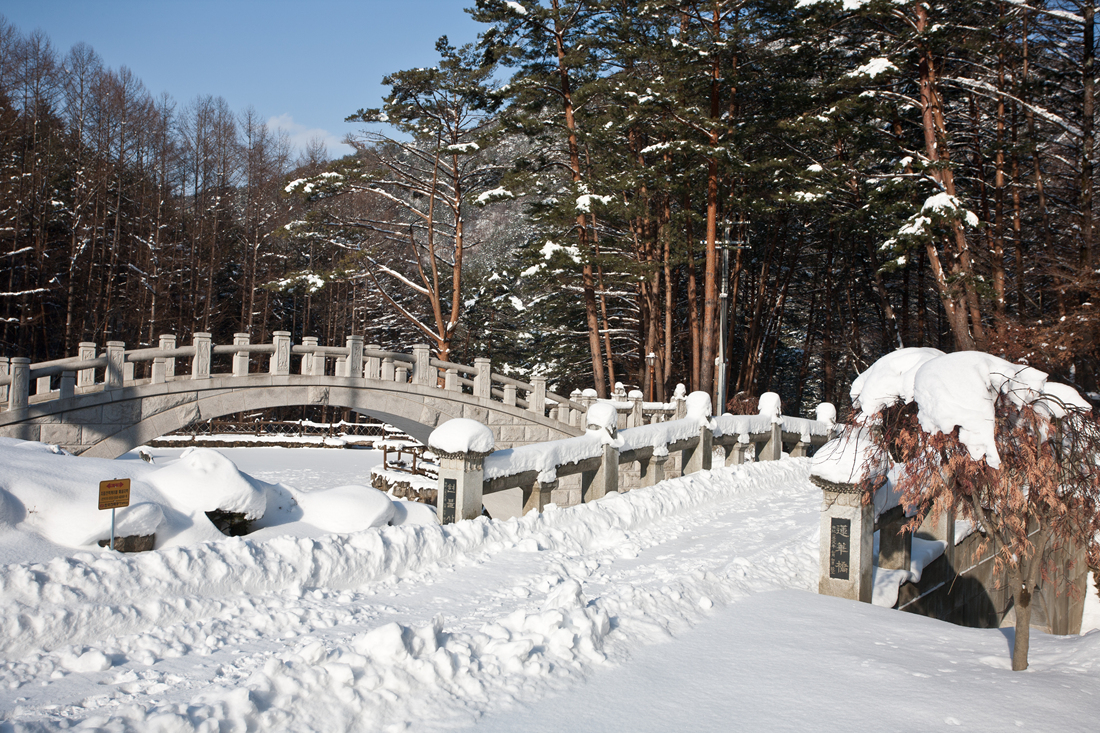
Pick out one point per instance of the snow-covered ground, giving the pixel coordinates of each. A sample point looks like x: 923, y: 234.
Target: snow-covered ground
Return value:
x: 686, y: 606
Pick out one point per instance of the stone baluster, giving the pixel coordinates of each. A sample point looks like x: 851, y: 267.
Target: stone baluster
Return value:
x: 19, y: 390
x: 240, y: 359
x: 483, y: 381
x: 200, y: 362
x: 450, y: 381
x: 5, y: 370
x: 373, y: 369
x: 423, y: 371
x: 802, y: 447
x: 387, y: 369
x: 127, y: 372
x: 576, y: 416
x: 538, y: 495
x: 510, y: 394
x: 86, y: 352
x: 167, y: 342
x: 307, y: 367
x: 354, y: 366
x: 698, y: 457
x: 737, y: 453
x: 341, y: 366
x: 279, y: 364
x: 653, y: 470
x: 605, y: 479
x: 42, y: 386
x: 401, y: 372
x: 116, y: 357
x: 536, y: 399
x: 773, y: 449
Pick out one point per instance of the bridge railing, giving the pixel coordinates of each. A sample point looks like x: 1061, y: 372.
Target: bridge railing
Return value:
x: 23, y: 383
x: 599, y: 455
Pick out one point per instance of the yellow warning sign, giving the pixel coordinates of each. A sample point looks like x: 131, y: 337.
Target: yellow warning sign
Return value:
x: 114, y: 494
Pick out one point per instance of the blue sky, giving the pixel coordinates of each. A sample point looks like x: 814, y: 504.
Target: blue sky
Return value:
x: 303, y: 65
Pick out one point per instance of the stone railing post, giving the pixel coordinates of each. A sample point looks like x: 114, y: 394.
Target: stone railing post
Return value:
x: 423, y: 371
x: 536, y: 398
x: 700, y: 456
x: 450, y: 380
x: 605, y: 479
x: 167, y: 341
x: 279, y: 364
x: 341, y: 366
x: 200, y: 362
x: 653, y: 470
x: 240, y: 359
x: 86, y: 352
x: 5, y: 370
x: 20, y: 388
x: 847, y: 542
x: 42, y: 386
x: 575, y: 416
x: 355, y: 357
x: 387, y: 369
x: 157, y: 376
x: 307, y: 367
x: 116, y: 357
x: 483, y: 380
x: 736, y: 454
x: 802, y: 447
x: 68, y: 385
x: 636, y: 418
x: 461, y: 474
x: 510, y: 394
x: 773, y: 449
x: 19, y: 392
x: 538, y: 495
x: 127, y: 372
x: 373, y: 369
x: 401, y: 373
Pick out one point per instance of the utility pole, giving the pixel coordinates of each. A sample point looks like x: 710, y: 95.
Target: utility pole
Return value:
x: 722, y: 362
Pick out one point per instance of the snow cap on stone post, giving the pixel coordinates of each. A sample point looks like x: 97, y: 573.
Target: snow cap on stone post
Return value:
x: 826, y: 413
x: 698, y: 407
x: 462, y: 435
x: 602, y: 416
x: 771, y: 406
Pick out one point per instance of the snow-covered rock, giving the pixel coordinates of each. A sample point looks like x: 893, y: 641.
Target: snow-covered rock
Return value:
x: 205, y: 480
x: 344, y: 509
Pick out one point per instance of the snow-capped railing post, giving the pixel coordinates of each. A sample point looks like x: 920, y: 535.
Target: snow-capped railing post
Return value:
x: 536, y: 398
x: 20, y: 387
x: 847, y: 541
x: 116, y: 357
x: 461, y: 445
x: 167, y: 342
x: 423, y: 371
x: 597, y: 484
x: 279, y: 364
x: 699, y: 456
x: 373, y: 368
x: 200, y: 362
x: 240, y: 359
x: 354, y: 366
x: 86, y: 352
x: 771, y: 406
x: 483, y: 380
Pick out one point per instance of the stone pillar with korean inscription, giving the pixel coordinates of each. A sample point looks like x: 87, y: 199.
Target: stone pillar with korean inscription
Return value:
x: 240, y: 358
x: 116, y: 359
x: 355, y: 357
x: 847, y: 541
x: 200, y: 362
x: 168, y: 343
x: 86, y: 352
x: 280, y: 356
x: 461, y: 445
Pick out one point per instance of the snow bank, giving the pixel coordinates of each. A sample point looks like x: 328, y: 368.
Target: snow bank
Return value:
x: 205, y: 480
x: 462, y: 435
x: 345, y: 508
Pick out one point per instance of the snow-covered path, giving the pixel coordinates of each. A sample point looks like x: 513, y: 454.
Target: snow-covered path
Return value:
x: 419, y: 626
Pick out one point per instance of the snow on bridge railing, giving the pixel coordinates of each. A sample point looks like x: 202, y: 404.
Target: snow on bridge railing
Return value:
x: 465, y: 477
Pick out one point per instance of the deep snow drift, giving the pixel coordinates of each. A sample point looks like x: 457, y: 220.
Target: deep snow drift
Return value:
x: 432, y: 628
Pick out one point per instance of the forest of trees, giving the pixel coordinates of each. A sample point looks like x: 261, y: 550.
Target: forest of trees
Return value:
x: 557, y: 196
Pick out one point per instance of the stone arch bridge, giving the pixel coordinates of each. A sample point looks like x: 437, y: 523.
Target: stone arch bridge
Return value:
x: 104, y: 403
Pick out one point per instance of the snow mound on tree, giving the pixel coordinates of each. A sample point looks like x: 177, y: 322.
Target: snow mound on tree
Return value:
x: 462, y: 435
x: 960, y: 390
x: 205, y: 480
x: 345, y: 509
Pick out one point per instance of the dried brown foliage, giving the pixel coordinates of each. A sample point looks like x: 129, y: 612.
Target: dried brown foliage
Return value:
x: 1043, y: 496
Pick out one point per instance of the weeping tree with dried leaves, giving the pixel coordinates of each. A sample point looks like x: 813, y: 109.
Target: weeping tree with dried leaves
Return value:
x: 1034, y: 492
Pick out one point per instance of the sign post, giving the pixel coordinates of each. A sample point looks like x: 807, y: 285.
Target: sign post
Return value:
x: 114, y: 494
